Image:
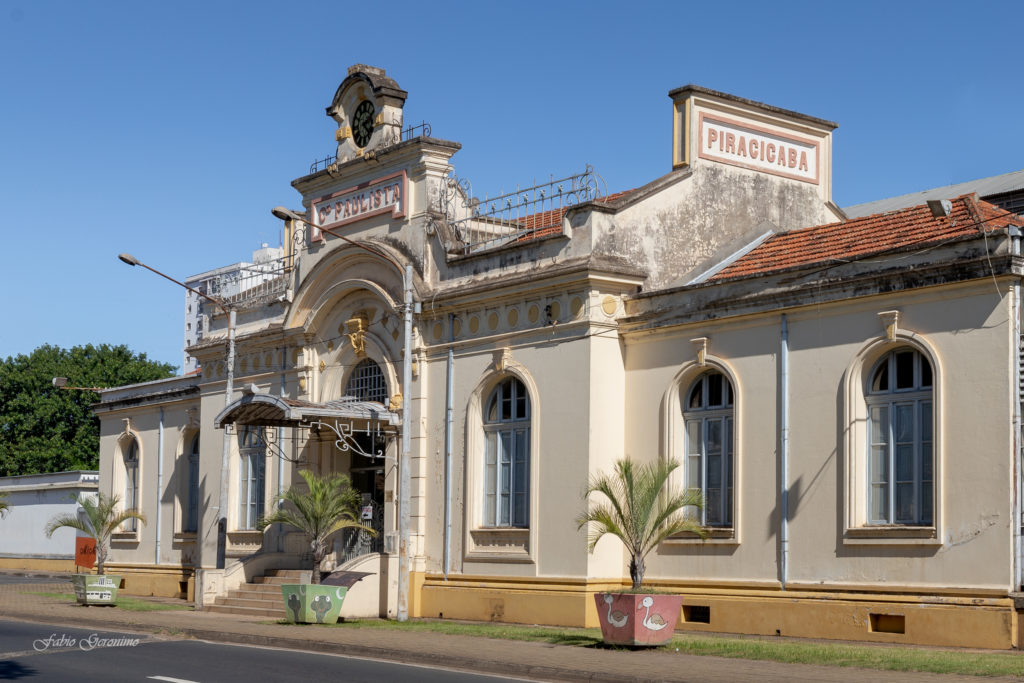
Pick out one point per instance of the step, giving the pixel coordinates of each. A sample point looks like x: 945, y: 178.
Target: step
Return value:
x: 277, y: 604
x: 295, y: 574
x: 275, y: 580
x: 249, y: 590
x: 248, y: 611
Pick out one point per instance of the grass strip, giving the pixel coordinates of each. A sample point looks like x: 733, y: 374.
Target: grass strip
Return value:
x: 124, y: 602
x: 881, y: 657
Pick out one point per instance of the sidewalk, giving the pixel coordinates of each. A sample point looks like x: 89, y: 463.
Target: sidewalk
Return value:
x: 540, y: 661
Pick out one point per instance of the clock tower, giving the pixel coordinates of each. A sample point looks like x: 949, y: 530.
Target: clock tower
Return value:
x: 368, y: 109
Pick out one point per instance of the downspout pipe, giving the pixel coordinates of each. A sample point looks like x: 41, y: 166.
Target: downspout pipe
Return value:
x: 159, y: 484
x: 784, y: 453
x: 1018, y: 506
x: 448, y: 447
x: 280, y: 441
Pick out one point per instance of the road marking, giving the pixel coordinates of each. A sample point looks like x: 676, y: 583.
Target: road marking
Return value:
x: 170, y: 680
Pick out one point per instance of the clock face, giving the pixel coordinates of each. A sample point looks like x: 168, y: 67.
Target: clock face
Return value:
x: 362, y: 123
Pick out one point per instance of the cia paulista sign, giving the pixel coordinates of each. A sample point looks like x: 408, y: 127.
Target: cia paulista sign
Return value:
x: 382, y: 195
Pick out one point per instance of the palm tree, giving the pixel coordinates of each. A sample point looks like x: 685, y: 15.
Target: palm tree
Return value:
x: 638, y: 511
x: 102, y: 519
x: 4, y: 505
x: 330, y: 505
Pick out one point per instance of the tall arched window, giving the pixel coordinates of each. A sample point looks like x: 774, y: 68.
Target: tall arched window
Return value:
x: 131, y: 483
x: 253, y: 450
x: 367, y: 383
x: 507, y: 456
x: 708, y: 416
x: 192, y: 500
x: 899, y: 402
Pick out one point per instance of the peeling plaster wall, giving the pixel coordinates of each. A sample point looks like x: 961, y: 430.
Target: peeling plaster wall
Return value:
x: 695, y: 223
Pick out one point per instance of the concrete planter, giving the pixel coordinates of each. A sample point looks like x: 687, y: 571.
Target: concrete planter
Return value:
x: 95, y: 589
x: 637, y: 619
x: 306, y: 603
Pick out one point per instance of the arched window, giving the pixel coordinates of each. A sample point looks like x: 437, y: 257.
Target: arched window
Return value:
x: 507, y: 456
x: 192, y: 500
x: 708, y: 416
x: 899, y: 402
x: 253, y: 450
x: 367, y: 383
x: 131, y: 483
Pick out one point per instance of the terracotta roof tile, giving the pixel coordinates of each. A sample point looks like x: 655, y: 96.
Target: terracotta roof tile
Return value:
x: 869, y: 235
x: 546, y: 223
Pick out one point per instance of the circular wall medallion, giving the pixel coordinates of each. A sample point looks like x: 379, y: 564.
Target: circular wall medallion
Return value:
x: 576, y: 307
x: 492, y: 321
x: 474, y: 324
x: 533, y: 313
x: 609, y: 305
x: 512, y: 317
x: 438, y: 331
x: 456, y: 327
x: 556, y: 310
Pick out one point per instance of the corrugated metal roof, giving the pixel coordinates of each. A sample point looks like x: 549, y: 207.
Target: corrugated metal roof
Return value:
x: 984, y: 187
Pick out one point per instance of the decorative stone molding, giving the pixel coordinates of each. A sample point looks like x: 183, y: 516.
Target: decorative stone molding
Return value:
x: 890, y: 321
x: 356, y: 327
x: 502, y: 359
x: 700, y: 347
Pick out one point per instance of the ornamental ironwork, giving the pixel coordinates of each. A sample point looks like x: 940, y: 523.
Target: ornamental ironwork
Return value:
x: 522, y: 215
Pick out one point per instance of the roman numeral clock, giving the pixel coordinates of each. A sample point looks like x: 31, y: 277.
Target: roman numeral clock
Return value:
x: 368, y: 110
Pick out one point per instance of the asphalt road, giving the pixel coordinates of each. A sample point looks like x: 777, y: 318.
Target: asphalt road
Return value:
x: 43, y: 652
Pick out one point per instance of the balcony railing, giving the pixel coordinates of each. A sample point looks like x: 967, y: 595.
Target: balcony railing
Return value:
x: 418, y: 131
x: 519, y: 216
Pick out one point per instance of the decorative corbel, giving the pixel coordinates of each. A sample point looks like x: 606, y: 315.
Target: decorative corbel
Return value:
x: 127, y: 425
x: 700, y: 347
x: 890, y: 321
x: 191, y: 412
x: 395, y: 403
x: 502, y: 359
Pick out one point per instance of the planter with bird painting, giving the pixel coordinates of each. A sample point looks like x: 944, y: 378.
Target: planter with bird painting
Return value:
x: 639, y: 619
x: 308, y: 603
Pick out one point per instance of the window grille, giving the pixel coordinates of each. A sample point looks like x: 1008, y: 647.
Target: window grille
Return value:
x: 367, y: 383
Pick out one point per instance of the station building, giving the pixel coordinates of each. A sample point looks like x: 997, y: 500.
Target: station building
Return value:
x: 846, y: 392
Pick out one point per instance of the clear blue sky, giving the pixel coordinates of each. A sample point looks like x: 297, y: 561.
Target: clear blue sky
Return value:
x: 169, y: 130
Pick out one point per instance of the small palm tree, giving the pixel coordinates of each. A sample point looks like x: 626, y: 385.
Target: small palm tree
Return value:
x: 638, y: 511
x: 102, y: 519
x: 330, y: 505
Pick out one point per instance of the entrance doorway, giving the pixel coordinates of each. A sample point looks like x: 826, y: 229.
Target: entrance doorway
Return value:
x: 367, y: 475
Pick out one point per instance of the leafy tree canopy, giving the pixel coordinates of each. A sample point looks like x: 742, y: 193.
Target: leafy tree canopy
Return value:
x: 46, y: 429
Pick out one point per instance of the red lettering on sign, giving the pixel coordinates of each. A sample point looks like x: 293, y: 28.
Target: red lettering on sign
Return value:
x: 792, y: 157
x: 753, y: 149
x: 741, y: 147
x: 712, y: 136
x: 85, y: 551
x: 771, y: 153
x: 803, y: 161
x: 730, y: 143
x: 782, y: 155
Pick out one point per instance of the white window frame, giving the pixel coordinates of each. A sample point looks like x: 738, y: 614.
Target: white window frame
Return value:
x: 884, y: 440
x: 506, y: 463
x: 130, y: 457
x: 190, y: 518
x: 698, y: 424
x: 251, y: 477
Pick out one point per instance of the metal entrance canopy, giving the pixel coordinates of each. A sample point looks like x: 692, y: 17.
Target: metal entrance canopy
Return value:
x: 275, y: 411
x: 340, y: 416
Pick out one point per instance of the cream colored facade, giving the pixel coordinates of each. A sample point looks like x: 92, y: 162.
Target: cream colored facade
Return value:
x: 605, y: 319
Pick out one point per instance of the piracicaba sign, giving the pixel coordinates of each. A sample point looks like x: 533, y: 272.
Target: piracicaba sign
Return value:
x: 757, y: 148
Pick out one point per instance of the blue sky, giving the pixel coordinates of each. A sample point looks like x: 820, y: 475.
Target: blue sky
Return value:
x: 169, y: 130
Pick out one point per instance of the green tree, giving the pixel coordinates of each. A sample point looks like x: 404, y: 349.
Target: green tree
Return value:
x: 638, y: 511
x: 46, y: 429
x: 329, y: 505
x: 4, y: 505
x: 102, y: 518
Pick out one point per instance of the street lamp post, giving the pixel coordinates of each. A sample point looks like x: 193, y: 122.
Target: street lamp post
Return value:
x: 404, y: 475
x: 229, y: 388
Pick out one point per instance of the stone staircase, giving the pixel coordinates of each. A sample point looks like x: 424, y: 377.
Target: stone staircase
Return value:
x: 261, y: 598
